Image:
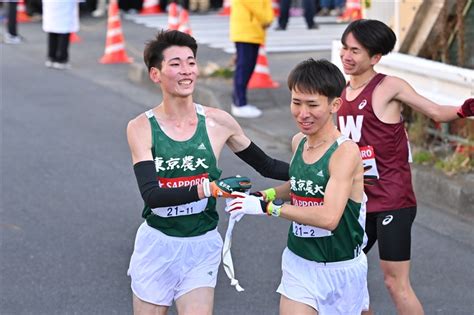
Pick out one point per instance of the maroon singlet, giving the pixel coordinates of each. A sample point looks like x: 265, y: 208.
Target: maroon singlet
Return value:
x: 384, y: 146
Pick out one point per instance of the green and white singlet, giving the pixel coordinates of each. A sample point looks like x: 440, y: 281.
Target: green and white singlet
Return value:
x: 183, y: 163
x: 308, y: 183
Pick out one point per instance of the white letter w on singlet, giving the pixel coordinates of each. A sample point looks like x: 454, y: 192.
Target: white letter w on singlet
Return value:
x: 351, y: 128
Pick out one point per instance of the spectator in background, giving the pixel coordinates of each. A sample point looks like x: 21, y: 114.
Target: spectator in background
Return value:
x: 60, y: 19
x: 11, y: 35
x: 331, y: 7
x: 309, y: 8
x: 199, y: 5
x: 34, y: 8
x: 248, y: 22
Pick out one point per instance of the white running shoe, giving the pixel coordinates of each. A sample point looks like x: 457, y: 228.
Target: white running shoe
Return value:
x: 246, y: 111
x: 100, y: 9
x: 11, y: 39
x: 98, y: 13
x: 61, y: 65
x: 48, y: 63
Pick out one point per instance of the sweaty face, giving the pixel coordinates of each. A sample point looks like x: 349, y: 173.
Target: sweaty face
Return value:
x: 354, y: 57
x: 310, y: 111
x: 178, y: 71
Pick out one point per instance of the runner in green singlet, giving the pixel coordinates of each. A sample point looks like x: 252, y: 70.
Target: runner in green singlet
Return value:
x: 324, y: 267
x: 175, y: 147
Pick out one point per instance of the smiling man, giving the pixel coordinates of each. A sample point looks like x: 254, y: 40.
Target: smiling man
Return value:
x: 370, y: 115
x: 175, y: 147
x: 324, y: 270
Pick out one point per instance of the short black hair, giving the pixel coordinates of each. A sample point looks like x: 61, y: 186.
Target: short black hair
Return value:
x: 153, y: 53
x: 373, y: 35
x: 317, y: 76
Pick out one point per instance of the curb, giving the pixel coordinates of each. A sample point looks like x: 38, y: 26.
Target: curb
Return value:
x: 453, y: 195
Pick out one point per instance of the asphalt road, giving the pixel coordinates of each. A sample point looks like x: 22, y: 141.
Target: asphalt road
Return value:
x: 70, y: 206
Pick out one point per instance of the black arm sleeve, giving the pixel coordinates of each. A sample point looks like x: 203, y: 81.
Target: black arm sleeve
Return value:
x: 155, y: 196
x: 262, y: 163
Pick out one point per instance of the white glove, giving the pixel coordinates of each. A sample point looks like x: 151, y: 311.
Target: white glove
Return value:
x: 244, y: 204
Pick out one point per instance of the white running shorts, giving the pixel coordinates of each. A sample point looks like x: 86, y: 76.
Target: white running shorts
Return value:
x: 331, y: 288
x: 163, y: 268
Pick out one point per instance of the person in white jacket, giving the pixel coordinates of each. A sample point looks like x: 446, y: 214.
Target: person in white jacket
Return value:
x: 60, y: 19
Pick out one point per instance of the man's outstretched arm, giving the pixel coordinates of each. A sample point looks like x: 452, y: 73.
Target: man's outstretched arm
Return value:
x: 250, y: 153
x: 264, y: 164
x: 439, y: 113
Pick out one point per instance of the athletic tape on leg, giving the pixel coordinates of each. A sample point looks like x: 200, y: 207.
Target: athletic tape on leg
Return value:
x: 226, y: 254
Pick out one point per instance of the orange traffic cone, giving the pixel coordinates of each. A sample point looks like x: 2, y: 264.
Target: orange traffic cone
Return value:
x: 353, y: 11
x: 173, y: 20
x: 74, y: 38
x: 261, y: 78
x: 225, y: 8
x: 115, y: 43
x: 184, y: 22
x: 21, y: 16
x: 276, y: 7
x: 151, y: 7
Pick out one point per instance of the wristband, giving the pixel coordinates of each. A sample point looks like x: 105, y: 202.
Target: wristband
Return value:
x: 274, y: 207
x: 460, y: 113
x: 270, y: 194
x: 206, y: 187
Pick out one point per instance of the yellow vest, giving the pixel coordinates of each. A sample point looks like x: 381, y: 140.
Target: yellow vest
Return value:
x: 249, y: 19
